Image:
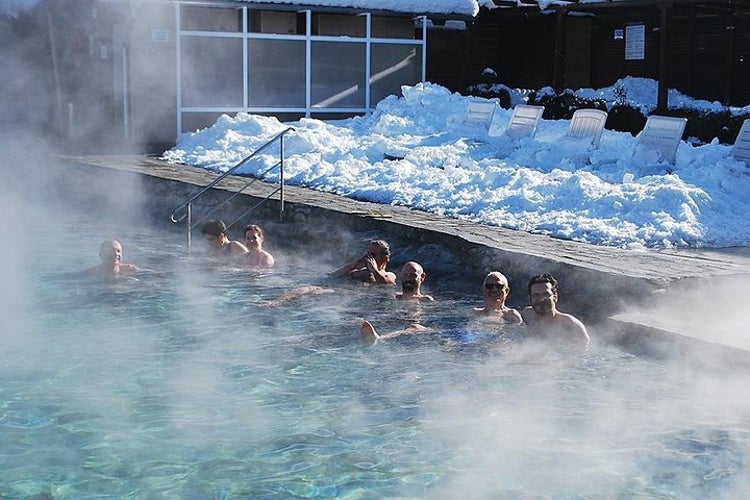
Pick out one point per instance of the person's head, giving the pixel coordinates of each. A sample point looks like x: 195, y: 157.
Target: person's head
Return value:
x: 254, y: 237
x: 380, y: 251
x: 543, y: 294
x: 214, y: 231
x: 412, y: 276
x: 495, y: 287
x: 110, y: 252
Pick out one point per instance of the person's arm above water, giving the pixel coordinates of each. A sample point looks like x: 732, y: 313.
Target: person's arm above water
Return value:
x: 346, y: 269
x: 576, y: 328
x: 380, y: 275
x: 237, y: 248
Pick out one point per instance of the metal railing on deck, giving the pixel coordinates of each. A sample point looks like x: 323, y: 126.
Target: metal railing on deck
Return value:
x: 185, y: 210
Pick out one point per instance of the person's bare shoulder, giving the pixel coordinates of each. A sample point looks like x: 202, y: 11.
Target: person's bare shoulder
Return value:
x: 237, y: 248
x: 130, y: 269
x: 527, y: 313
x: 267, y: 259
x: 512, y: 315
x: 575, y: 326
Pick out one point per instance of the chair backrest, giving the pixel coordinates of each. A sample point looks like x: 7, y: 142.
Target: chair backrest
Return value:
x: 663, y: 134
x: 480, y: 113
x: 524, y: 121
x: 588, y: 123
x: 741, y: 148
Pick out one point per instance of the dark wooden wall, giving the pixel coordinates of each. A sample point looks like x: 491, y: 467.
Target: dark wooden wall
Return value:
x: 708, y: 49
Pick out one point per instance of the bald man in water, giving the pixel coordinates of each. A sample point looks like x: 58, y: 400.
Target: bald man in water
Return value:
x: 110, y: 253
x: 544, y: 320
x: 412, y: 277
x: 495, y: 289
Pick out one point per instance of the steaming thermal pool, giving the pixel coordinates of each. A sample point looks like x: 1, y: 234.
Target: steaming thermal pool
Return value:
x: 181, y: 386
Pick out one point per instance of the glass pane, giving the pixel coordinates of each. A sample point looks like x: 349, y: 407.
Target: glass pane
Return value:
x: 339, y: 25
x: 393, y: 66
x: 192, y: 122
x: 211, y: 19
x: 393, y: 27
x: 338, y: 74
x: 211, y: 71
x: 270, y: 21
x: 277, y: 73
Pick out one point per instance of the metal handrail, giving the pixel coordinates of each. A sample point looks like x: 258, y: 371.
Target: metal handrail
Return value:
x: 184, y: 210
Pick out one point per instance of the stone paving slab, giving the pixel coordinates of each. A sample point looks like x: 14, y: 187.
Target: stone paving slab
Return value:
x: 656, y: 266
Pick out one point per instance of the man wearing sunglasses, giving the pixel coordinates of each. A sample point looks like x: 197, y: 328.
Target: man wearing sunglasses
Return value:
x: 495, y: 290
x: 543, y: 318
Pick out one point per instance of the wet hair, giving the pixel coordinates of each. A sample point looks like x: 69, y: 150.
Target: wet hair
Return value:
x: 215, y: 227
x: 543, y: 278
x: 383, y: 246
x: 254, y: 228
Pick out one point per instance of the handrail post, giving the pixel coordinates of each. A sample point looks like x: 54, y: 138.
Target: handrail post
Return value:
x: 281, y: 179
x: 189, y: 226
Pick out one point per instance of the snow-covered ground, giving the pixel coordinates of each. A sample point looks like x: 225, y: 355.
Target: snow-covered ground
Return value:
x: 615, y: 195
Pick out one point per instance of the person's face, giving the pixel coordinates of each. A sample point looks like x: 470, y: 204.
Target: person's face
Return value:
x: 411, y: 278
x: 253, y: 239
x: 495, y: 289
x: 112, y: 253
x: 542, y: 298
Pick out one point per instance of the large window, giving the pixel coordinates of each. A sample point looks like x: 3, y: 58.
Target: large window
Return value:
x: 290, y: 63
x: 338, y: 75
x: 393, y: 65
x: 211, y: 72
x: 276, y: 73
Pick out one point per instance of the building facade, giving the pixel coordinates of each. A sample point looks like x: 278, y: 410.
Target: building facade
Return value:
x: 153, y: 69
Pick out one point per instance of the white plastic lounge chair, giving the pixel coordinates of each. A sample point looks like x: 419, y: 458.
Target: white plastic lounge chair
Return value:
x: 741, y: 148
x: 588, y: 123
x: 524, y: 121
x: 662, y: 134
x: 480, y: 113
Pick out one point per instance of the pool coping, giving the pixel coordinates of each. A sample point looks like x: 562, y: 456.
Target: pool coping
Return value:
x: 608, y: 279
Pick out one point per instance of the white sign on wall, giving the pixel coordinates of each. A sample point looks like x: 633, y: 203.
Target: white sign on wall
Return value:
x: 159, y: 36
x: 635, y: 42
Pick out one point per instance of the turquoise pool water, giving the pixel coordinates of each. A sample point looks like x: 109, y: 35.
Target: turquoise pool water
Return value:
x: 181, y: 385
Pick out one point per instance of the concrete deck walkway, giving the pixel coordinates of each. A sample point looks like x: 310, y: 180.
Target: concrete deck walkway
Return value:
x: 601, y: 271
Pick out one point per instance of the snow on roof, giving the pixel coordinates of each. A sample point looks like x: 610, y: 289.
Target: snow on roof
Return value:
x: 447, y: 7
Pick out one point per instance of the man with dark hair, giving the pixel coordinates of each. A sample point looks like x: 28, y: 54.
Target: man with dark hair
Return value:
x: 256, y: 256
x: 370, y: 268
x: 543, y: 318
x: 215, y: 232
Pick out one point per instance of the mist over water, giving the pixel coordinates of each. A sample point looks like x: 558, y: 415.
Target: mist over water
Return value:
x: 182, y: 384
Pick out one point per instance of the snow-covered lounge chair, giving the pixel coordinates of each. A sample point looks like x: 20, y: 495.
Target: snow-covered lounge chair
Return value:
x: 588, y: 123
x: 662, y: 134
x: 524, y: 121
x: 741, y: 148
x: 480, y: 113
